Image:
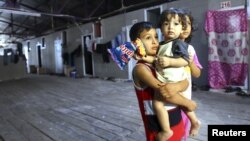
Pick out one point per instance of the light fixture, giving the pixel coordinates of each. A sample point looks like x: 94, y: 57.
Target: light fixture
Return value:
x: 20, y: 12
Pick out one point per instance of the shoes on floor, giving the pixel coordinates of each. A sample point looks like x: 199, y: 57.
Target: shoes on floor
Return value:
x: 231, y: 89
x: 242, y: 93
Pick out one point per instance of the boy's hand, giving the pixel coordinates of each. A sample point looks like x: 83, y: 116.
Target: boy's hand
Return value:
x: 163, y: 61
x: 166, y: 90
x: 137, y: 57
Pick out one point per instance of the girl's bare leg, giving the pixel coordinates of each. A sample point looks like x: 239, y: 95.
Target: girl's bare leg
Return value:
x: 195, y: 123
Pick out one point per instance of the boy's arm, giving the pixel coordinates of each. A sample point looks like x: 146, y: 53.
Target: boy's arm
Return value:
x: 173, y: 88
x: 148, y: 59
x: 168, y: 91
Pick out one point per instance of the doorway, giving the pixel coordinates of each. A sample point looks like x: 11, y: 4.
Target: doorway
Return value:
x: 39, y: 55
x: 87, y: 44
x: 152, y: 14
x: 26, y: 54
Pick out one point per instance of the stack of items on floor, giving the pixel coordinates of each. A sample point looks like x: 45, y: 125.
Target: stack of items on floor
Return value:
x: 238, y: 91
x: 41, y: 70
x: 38, y: 70
x: 70, y: 71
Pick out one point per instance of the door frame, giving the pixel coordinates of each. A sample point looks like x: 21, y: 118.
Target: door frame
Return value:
x: 83, y: 56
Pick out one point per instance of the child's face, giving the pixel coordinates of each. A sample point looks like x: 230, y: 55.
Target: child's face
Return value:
x: 172, y: 28
x: 150, y: 41
x: 186, y: 32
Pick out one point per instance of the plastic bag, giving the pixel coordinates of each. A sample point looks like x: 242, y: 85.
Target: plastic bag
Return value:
x: 122, y: 54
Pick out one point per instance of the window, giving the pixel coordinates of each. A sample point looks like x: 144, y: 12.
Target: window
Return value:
x: 153, y: 14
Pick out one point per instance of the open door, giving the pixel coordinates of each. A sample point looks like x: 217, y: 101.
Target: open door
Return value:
x: 39, y: 55
x: 87, y: 43
x: 26, y: 53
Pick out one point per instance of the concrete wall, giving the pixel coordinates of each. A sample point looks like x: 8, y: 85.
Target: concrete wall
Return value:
x: 113, y: 25
x: 12, y: 71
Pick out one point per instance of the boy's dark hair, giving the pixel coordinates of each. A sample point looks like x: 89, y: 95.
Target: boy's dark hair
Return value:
x: 171, y: 11
x: 138, y: 28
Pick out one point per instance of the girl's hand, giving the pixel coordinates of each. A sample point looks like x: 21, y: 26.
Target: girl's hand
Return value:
x: 163, y: 61
x: 191, y: 57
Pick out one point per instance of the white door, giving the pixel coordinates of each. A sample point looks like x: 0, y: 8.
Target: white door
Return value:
x: 26, y: 53
x: 58, y: 56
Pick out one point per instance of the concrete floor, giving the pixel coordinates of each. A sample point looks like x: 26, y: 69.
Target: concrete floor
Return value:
x: 53, y: 108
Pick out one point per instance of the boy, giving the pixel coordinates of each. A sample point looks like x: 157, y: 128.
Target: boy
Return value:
x: 172, y: 56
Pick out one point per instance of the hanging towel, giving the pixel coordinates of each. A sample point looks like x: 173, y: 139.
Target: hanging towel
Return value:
x: 88, y: 43
x: 119, y: 39
x: 227, y: 47
x: 102, y: 49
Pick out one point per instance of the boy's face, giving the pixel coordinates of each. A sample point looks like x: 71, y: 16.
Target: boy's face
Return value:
x: 172, y: 28
x: 187, y: 31
x: 150, y: 41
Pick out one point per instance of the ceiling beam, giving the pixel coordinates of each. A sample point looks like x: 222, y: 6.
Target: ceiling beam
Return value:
x: 99, y: 5
x: 18, y: 25
x: 63, y: 6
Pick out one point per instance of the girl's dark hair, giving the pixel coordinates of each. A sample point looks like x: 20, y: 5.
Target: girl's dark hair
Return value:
x: 138, y: 28
x: 172, y: 12
x: 187, y: 13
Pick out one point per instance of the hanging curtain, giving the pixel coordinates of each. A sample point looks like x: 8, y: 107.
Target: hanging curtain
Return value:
x: 228, y: 47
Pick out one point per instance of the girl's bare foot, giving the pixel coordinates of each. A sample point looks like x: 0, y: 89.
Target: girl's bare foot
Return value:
x: 164, y: 136
x: 195, y: 127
